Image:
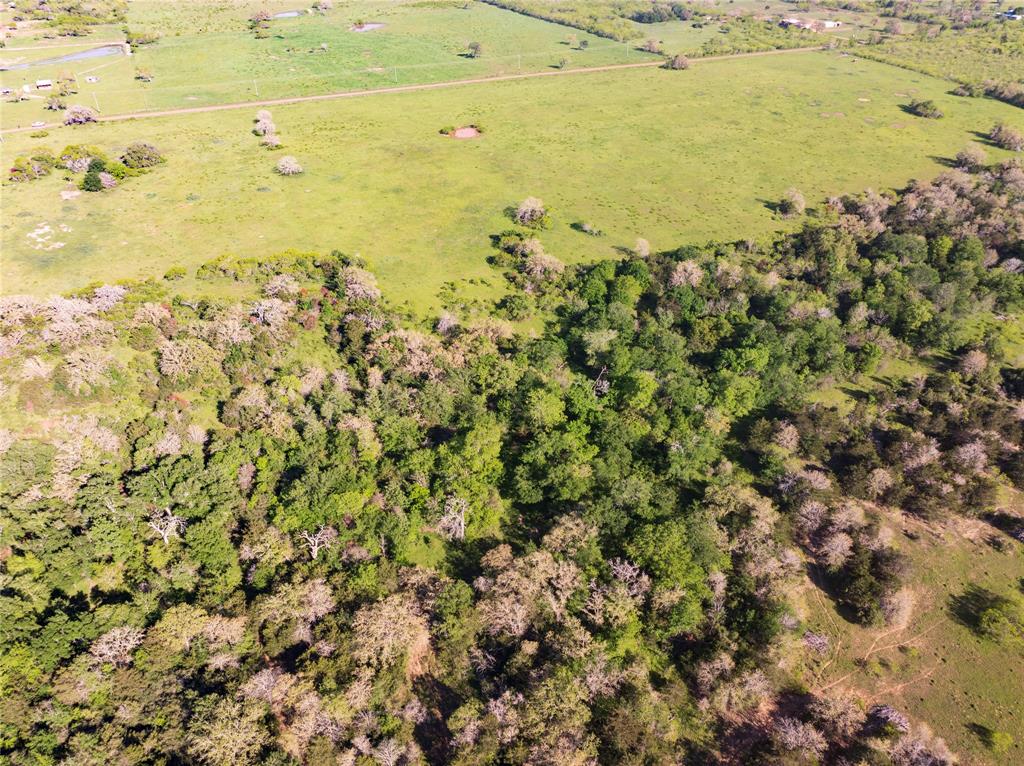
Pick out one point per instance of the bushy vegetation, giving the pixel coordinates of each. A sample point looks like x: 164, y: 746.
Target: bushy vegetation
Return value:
x: 72, y: 17
x: 298, y: 529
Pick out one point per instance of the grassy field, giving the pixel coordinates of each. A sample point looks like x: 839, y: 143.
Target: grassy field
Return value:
x: 671, y: 156
x: 204, y: 58
x: 935, y: 668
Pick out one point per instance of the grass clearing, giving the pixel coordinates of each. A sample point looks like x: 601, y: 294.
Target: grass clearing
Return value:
x: 674, y: 157
x: 935, y: 668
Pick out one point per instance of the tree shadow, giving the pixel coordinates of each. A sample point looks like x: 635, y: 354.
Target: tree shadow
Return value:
x: 946, y: 162
x: 968, y: 607
x: 985, y: 139
x: 1002, y: 521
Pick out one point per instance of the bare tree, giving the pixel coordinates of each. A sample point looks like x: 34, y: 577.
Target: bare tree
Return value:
x: 323, y: 538
x: 800, y: 738
x: 115, y: 647
x: 453, y: 523
x: 166, y: 524
x: 1007, y: 138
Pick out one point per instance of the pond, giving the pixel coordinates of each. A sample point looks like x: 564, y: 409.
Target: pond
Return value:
x: 92, y: 53
x: 287, y: 14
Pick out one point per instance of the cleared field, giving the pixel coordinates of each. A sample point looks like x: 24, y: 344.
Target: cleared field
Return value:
x: 935, y: 667
x: 671, y: 156
x: 209, y: 56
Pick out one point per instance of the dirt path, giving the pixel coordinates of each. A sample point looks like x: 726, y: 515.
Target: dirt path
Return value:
x: 408, y: 88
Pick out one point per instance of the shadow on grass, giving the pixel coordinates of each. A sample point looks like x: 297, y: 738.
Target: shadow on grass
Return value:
x: 968, y: 608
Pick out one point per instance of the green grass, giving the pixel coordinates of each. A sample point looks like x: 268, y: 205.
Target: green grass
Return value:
x: 221, y: 62
x: 936, y: 669
x: 674, y: 157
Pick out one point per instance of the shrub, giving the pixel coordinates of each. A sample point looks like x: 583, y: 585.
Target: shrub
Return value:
x: 971, y: 158
x: 678, y: 62
x: 531, y: 212
x: 31, y: 168
x: 476, y: 50
x: 77, y: 157
x: 91, y: 182
x: 288, y: 166
x: 141, y: 155
x: 56, y: 104
x: 792, y: 204
x: 79, y: 115
x: 515, y: 306
x: 174, y: 273
x: 1005, y: 137
x: 924, y: 108
x: 969, y: 90
x: 264, y: 127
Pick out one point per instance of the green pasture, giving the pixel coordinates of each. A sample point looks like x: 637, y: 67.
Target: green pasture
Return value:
x: 314, y: 53
x: 674, y: 157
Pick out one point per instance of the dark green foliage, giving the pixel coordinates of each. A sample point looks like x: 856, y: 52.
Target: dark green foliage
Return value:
x: 141, y: 155
x: 924, y: 108
x: 292, y: 528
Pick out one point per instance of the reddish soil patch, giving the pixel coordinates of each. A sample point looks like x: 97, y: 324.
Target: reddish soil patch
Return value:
x: 467, y: 132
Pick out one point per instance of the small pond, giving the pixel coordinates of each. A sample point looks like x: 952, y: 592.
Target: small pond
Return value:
x: 92, y: 53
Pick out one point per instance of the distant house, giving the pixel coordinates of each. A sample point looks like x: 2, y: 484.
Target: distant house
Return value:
x: 92, y: 78
x: 814, y: 25
x: 44, y: 84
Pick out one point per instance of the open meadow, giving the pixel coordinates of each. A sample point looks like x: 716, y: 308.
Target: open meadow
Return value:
x: 209, y: 56
x: 671, y: 156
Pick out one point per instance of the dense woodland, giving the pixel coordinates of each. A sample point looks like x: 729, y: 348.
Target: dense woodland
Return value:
x: 301, y: 529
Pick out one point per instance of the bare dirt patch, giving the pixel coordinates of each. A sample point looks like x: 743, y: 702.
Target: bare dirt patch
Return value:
x: 365, y: 27
x: 466, y: 132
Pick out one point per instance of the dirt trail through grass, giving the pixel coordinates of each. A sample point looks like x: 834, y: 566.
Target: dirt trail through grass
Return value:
x: 406, y: 88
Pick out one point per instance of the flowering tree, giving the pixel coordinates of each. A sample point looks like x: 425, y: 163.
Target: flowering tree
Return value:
x: 79, y: 115
x: 288, y: 166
